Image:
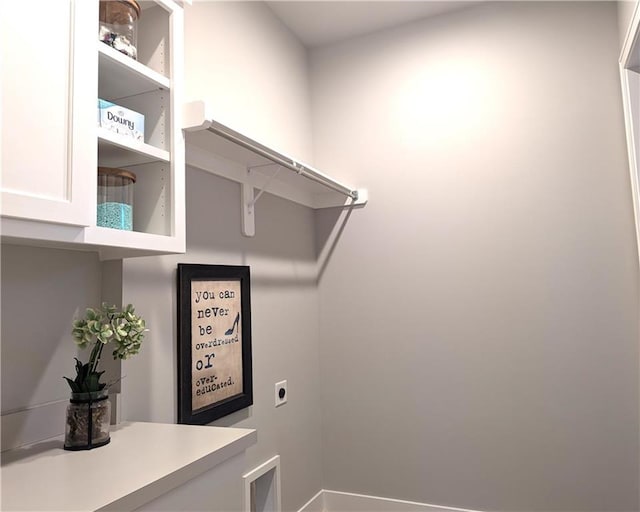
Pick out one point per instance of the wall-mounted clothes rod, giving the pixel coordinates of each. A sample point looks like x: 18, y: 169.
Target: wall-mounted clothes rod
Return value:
x: 309, y: 186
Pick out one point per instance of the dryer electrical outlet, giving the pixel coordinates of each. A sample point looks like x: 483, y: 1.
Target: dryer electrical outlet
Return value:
x: 281, y: 393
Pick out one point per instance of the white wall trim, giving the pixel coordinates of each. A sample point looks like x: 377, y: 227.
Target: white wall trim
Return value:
x: 631, y: 37
x: 273, y: 464
x: 337, y: 501
x: 627, y: 105
x: 315, y: 504
x: 628, y: 55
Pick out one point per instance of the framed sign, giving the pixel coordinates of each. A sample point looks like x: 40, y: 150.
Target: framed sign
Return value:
x: 214, y: 342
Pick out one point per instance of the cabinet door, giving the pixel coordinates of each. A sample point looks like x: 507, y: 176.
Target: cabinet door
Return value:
x: 49, y: 89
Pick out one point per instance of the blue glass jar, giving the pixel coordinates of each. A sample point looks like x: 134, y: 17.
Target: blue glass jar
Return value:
x: 115, y: 198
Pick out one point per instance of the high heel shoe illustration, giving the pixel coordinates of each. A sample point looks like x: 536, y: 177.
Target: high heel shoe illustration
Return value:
x: 229, y: 332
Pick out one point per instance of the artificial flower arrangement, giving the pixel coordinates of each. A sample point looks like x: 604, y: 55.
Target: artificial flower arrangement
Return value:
x: 100, y: 326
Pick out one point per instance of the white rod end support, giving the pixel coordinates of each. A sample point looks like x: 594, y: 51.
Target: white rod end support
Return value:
x: 363, y: 197
x: 195, y: 116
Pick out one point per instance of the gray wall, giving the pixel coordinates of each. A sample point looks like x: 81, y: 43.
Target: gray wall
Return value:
x: 253, y: 73
x: 43, y: 291
x: 284, y: 327
x: 479, y: 330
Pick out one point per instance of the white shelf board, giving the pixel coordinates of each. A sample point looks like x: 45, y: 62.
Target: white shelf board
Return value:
x: 121, y: 76
x: 217, y: 154
x: 117, y: 151
x: 142, y: 462
x: 121, y: 239
x: 201, y: 146
x: 108, y: 243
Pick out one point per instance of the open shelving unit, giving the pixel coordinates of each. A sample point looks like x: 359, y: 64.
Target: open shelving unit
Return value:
x: 217, y: 148
x: 150, y: 86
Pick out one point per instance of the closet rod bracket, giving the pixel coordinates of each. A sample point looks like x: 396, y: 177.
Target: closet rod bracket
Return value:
x: 266, y: 185
x: 250, y: 198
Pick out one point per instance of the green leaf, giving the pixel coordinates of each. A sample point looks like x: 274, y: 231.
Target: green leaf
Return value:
x: 82, y: 374
x: 93, y: 381
x: 74, y: 387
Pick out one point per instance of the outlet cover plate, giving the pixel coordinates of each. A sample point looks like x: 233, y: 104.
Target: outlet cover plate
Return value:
x: 281, y: 386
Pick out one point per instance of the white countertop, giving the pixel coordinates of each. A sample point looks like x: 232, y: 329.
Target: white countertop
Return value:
x: 142, y: 462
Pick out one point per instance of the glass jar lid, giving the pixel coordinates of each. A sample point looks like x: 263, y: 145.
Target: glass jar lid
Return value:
x: 111, y: 171
x: 133, y: 4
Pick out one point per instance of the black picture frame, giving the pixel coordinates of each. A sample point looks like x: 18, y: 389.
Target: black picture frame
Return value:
x: 214, y: 342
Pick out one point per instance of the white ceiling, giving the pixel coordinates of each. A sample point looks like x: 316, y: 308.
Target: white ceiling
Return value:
x: 318, y: 23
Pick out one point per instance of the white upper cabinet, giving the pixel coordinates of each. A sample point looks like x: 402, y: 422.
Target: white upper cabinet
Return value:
x: 54, y: 71
x: 47, y: 125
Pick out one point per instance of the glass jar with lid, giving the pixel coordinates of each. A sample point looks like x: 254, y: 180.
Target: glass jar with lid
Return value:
x: 115, y: 198
x: 119, y: 25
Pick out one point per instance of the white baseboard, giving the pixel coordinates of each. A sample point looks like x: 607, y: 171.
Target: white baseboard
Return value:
x: 336, y: 501
x: 315, y: 504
